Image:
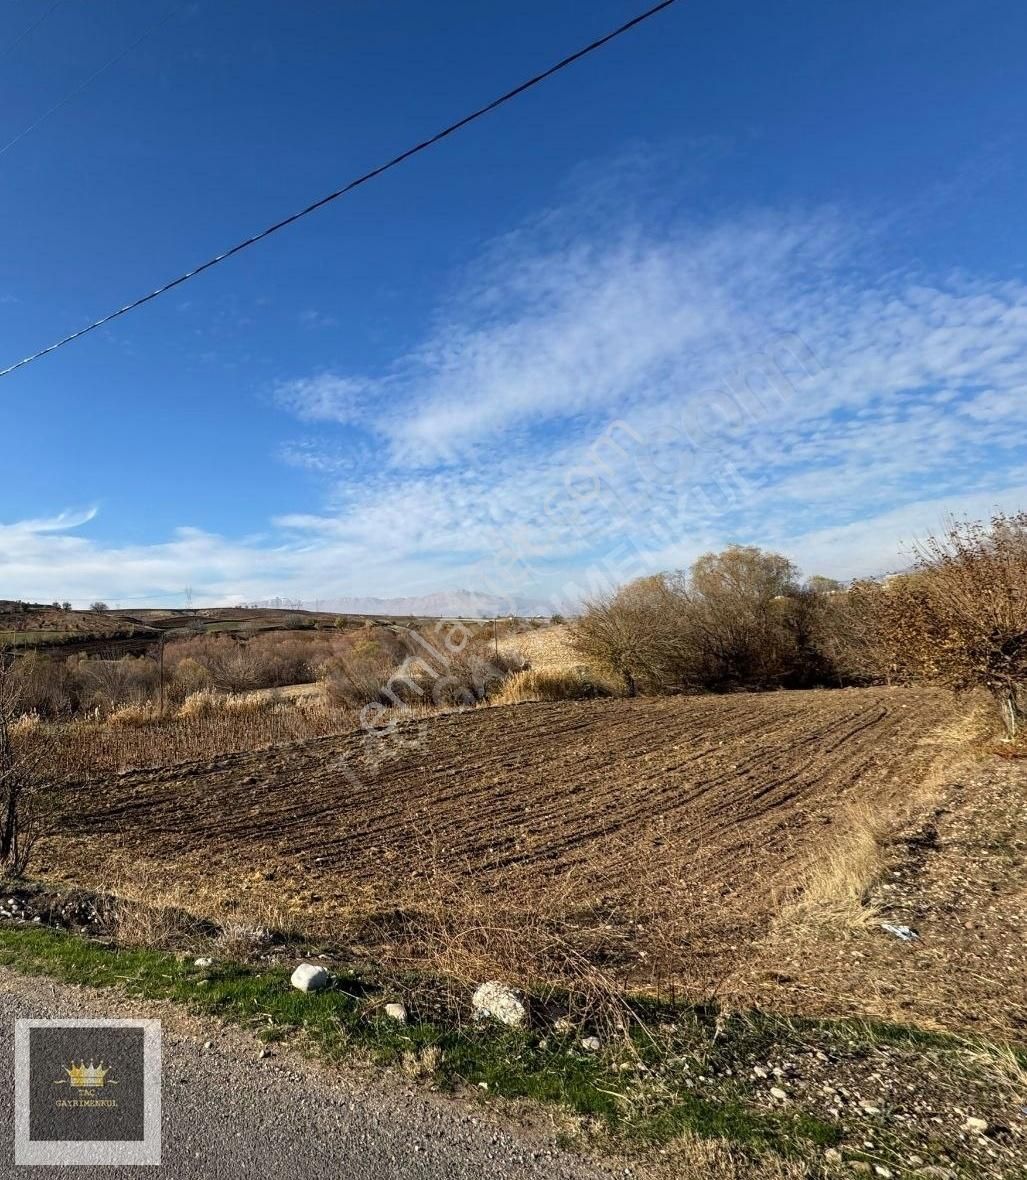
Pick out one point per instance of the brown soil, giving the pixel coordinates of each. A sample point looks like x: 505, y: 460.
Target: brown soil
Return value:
x: 957, y: 877
x: 697, y: 813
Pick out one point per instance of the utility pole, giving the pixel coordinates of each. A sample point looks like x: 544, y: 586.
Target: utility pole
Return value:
x: 162, y: 675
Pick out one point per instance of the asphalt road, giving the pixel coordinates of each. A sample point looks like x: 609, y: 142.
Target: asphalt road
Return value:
x: 228, y: 1113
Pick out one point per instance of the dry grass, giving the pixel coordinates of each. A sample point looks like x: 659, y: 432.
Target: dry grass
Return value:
x: 835, y: 888
x: 301, y: 695
x: 586, y: 943
x: 422, y: 1064
x: 147, y: 924
x: 147, y: 913
x: 247, y: 702
x: 203, y: 703
x: 552, y: 684
x: 548, y: 647
x: 207, y: 731
x: 25, y: 725
x: 143, y: 908
x: 1003, y: 1063
x: 835, y: 901
x: 134, y: 716
x: 691, y: 1157
x: 241, y: 940
x: 555, y: 669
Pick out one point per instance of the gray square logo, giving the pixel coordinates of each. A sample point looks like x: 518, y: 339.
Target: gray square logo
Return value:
x: 87, y: 1092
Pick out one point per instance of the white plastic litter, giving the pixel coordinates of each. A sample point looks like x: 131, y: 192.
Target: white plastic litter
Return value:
x: 903, y: 932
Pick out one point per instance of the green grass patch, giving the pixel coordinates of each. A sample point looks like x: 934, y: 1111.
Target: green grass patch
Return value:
x: 335, y: 1022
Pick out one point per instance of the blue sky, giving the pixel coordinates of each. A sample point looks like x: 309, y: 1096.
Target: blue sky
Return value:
x: 514, y: 363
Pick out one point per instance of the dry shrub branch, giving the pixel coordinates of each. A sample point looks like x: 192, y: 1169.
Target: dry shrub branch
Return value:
x: 959, y: 618
x: 25, y: 779
x: 737, y: 619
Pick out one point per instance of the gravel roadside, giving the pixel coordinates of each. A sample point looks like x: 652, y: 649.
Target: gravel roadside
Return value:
x: 229, y: 1113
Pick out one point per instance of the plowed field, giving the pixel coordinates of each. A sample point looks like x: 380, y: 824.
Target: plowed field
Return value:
x: 714, y: 804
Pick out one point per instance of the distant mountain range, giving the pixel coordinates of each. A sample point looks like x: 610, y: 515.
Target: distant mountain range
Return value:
x: 469, y: 604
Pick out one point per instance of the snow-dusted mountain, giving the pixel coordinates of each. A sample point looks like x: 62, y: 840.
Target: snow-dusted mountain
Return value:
x: 441, y: 604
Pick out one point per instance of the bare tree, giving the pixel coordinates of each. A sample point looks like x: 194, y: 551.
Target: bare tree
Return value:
x: 737, y: 619
x: 966, y: 611
x: 957, y: 618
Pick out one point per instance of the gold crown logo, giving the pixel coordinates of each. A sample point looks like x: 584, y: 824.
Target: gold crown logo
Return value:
x: 87, y: 1077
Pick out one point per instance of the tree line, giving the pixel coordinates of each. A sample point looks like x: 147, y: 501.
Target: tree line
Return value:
x: 744, y: 619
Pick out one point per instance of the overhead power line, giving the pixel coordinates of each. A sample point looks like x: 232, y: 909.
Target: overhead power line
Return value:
x: 25, y: 32
x: 347, y: 188
x: 90, y: 80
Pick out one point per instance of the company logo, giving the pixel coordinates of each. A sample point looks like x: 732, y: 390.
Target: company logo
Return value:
x: 87, y: 1077
x: 87, y: 1091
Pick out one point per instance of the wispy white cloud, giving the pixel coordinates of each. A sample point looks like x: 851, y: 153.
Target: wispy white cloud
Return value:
x: 478, y: 440
x: 326, y: 397
x: 312, y: 318
x: 485, y: 423
x: 69, y: 519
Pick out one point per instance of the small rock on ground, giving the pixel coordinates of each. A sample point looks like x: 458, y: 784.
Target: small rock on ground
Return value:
x: 309, y: 978
x: 498, y: 1001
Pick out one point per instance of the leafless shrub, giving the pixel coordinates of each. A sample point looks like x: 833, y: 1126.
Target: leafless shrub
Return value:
x: 441, y: 667
x: 42, y: 684
x: 737, y: 619
x: 959, y: 618
x: 355, y: 678
x: 230, y: 664
x: 188, y: 676
x: 26, y: 798
x: 107, y: 683
x: 462, y: 678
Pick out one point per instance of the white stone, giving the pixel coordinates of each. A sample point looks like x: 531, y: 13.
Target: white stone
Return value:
x: 778, y: 1093
x: 563, y: 1024
x: 396, y: 1012
x: 309, y: 978
x: 203, y: 962
x: 591, y: 1044
x: 497, y: 1001
x: 978, y: 1126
